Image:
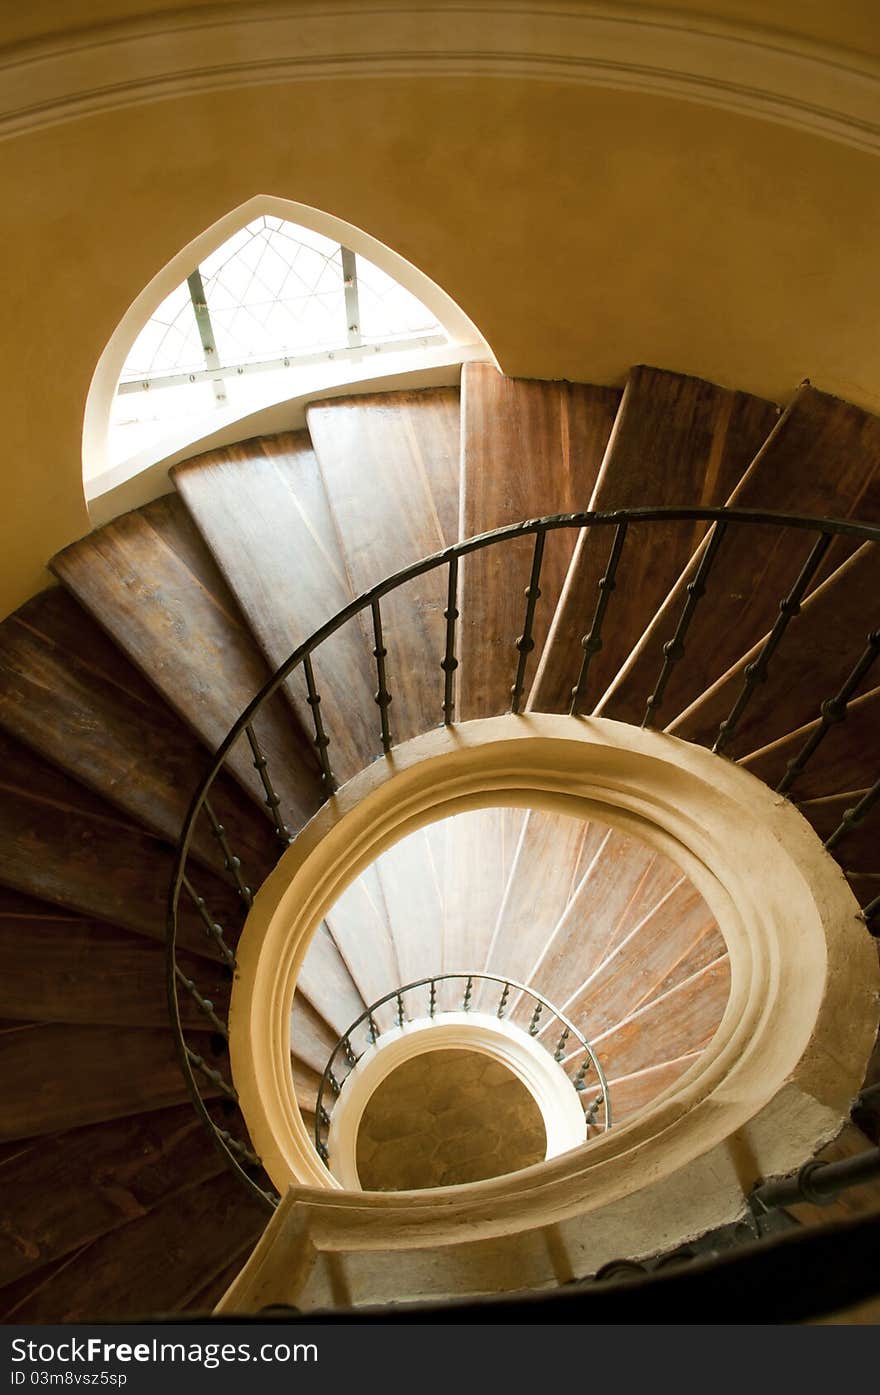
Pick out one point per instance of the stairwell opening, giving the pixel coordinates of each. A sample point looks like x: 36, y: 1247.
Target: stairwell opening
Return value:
x: 574, y: 956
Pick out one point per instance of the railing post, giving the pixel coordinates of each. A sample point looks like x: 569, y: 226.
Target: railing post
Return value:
x: 449, y: 662
x: 526, y: 643
x: 673, y: 650
x: 382, y: 695
x: 592, y: 642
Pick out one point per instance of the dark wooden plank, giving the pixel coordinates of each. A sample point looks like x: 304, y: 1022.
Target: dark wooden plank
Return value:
x: 96, y: 725
x: 678, y: 1024
x: 66, y: 1189
x: 62, y: 844
x: 262, y: 508
x: 820, y: 649
x: 821, y: 460
x: 390, y: 463
x: 155, y: 1265
x: 528, y: 449
x: 60, y: 1076
x: 148, y: 578
x: 70, y: 969
x: 677, y: 440
x: 850, y: 750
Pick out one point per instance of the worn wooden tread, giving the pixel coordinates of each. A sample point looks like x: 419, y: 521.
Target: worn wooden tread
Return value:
x: 677, y: 440
x: 149, y: 580
x: 261, y: 507
x: 528, y: 449
x: 821, y: 459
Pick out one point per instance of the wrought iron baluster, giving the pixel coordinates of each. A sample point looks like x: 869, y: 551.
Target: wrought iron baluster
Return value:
x: 323, y: 1116
x: 560, y: 1046
x: 261, y: 765
x: 593, y: 1111
x: 449, y: 662
x: 854, y: 817
x: 503, y: 1004
x: 204, y: 1005
x: 592, y: 642
x: 401, y: 1018
x: 432, y: 1000
x: 673, y: 649
x: 833, y: 710
x: 536, y: 1017
x: 756, y: 672
x: 579, y: 1081
x: 350, y: 1057
x: 211, y: 1074
x: 526, y: 643
x: 872, y: 916
x: 373, y: 1030
x: 468, y: 993
x: 333, y: 1082
x: 382, y: 696
x: 232, y: 863
x: 321, y: 739
x: 211, y: 925
x: 240, y: 1149
x: 323, y: 1153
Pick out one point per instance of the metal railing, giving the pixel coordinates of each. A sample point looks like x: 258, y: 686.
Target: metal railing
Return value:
x: 570, y: 1046
x: 829, y: 711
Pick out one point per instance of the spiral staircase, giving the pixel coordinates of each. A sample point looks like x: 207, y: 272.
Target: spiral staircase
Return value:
x: 116, y: 686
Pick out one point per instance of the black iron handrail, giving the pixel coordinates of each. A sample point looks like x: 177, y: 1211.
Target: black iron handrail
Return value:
x: 721, y: 520
x: 562, y: 1054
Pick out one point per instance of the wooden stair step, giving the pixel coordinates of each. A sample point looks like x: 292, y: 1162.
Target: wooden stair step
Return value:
x: 62, y: 967
x: 636, y: 970
x: 60, y: 1076
x: 677, y: 441
x: 359, y: 923
x: 311, y: 1038
x: 540, y: 888
x: 156, y: 1264
x: 529, y: 449
x: 850, y: 750
x: 821, y: 460
x: 325, y: 980
x: 262, y: 508
x: 820, y: 648
x: 62, y: 844
x: 681, y: 1022
x: 390, y: 464
x: 589, y: 929
x: 66, y: 1189
x: 148, y: 578
x: 100, y: 722
x: 476, y: 855
x: 411, y: 894
x: 631, y: 1093
x: 306, y: 1082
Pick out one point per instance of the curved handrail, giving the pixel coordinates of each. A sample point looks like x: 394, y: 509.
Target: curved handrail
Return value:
x: 328, y: 1078
x: 719, y: 518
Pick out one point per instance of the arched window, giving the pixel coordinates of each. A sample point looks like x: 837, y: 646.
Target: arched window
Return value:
x: 276, y: 304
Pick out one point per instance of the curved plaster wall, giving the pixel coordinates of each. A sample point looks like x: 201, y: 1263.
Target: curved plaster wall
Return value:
x: 788, y: 1056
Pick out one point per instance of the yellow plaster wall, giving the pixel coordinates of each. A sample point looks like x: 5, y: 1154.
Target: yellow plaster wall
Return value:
x: 581, y: 229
